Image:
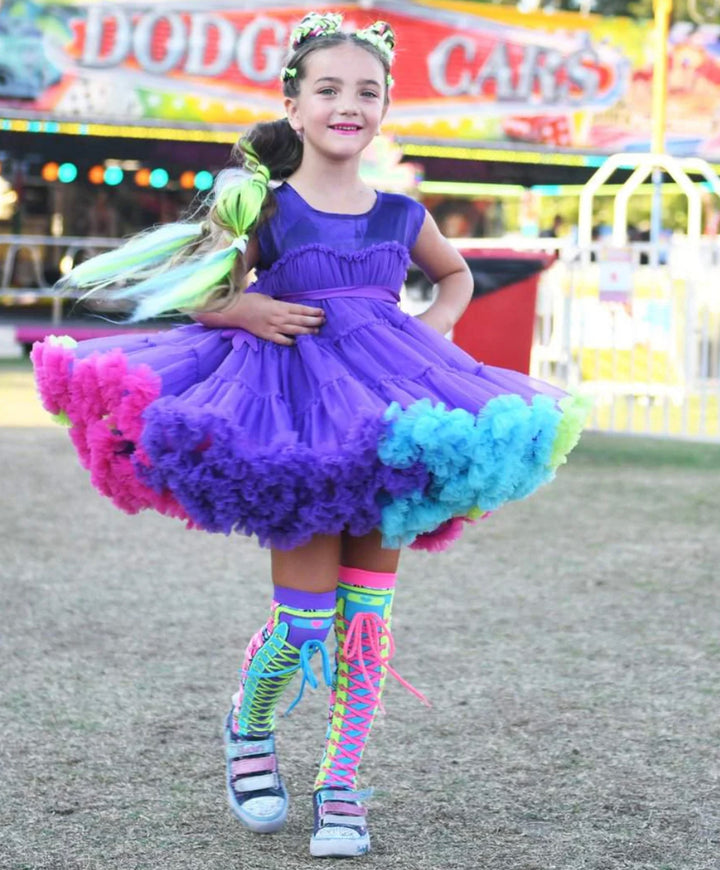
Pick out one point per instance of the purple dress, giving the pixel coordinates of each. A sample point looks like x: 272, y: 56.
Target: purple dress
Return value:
x: 377, y: 422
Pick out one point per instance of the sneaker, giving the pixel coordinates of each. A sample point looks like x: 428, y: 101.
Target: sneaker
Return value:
x: 256, y: 792
x: 340, y: 824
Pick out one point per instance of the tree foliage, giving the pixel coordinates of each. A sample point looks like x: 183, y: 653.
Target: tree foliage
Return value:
x: 699, y: 11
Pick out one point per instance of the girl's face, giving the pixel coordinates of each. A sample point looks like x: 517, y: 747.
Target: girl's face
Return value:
x: 341, y: 101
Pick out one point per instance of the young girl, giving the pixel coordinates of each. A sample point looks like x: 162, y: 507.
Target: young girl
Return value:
x: 305, y: 408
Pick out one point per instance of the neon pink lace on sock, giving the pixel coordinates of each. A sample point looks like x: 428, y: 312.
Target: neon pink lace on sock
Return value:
x: 366, y: 651
x: 365, y: 636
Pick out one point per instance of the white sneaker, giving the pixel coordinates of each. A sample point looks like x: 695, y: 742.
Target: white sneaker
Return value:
x: 340, y: 824
x: 256, y: 792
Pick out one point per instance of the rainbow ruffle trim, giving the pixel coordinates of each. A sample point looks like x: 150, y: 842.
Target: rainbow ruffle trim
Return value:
x: 476, y: 463
x: 418, y: 474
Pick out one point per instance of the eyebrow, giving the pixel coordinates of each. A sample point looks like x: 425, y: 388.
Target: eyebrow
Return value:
x: 335, y: 80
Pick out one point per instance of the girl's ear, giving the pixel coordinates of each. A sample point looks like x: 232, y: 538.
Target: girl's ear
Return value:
x: 292, y: 114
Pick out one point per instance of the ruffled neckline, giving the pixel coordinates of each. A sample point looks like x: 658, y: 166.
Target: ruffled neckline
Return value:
x: 350, y: 256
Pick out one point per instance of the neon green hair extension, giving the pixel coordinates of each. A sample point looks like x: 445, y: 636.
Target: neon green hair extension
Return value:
x: 156, y: 285
x: 239, y: 204
x: 139, y: 254
x: 187, y: 286
x: 237, y: 207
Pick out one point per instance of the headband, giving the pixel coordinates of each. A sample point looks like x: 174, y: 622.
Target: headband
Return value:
x: 315, y: 24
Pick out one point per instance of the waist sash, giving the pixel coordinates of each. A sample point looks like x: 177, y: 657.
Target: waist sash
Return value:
x: 369, y: 291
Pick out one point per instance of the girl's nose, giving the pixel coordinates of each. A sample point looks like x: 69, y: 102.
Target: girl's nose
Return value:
x: 348, y: 107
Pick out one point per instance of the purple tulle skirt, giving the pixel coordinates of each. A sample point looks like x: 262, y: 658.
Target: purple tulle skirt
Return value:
x: 378, y: 422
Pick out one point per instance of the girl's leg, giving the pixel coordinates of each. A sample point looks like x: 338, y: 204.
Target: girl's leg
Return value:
x: 312, y: 568
x: 301, y: 616
x: 368, y: 554
x: 364, y: 645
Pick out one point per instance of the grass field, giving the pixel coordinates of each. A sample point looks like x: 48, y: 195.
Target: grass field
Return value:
x: 570, y: 645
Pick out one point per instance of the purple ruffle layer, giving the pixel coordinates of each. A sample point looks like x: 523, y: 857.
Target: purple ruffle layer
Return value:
x: 238, y: 434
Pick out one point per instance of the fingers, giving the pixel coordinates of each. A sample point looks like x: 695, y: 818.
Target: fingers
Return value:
x: 285, y: 334
x: 300, y: 328
x: 280, y: 321
x: 304, y: 310
x: 279, y: 338
x: 303, y: 315
x: 294, y: 319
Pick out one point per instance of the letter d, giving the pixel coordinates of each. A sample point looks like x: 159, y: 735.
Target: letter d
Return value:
x: 97, y: 16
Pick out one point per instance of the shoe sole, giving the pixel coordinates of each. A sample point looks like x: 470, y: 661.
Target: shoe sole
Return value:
x: 339, y: 848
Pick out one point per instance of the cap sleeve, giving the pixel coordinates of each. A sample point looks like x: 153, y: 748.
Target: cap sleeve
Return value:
x: 415, y: 222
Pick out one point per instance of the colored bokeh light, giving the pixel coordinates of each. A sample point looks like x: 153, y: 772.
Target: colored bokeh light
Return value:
x: 113, y: 175
x: 203, y: 180
x: 159, y: 178
x: 67, y: 173
x: 49, y: 172
x: 96, y: 174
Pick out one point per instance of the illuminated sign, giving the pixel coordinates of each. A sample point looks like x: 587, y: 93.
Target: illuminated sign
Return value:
x: 465, y: 72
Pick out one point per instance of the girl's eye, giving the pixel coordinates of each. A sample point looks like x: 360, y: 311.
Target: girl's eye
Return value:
x: 370, y: 94
x: 326, y: 91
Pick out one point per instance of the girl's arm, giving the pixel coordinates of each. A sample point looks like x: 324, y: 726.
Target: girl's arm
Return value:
x: 261, y: 315
x: 447, y: 269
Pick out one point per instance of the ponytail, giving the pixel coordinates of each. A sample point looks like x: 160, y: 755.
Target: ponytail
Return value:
x: 158, y: 268
x: 237, y: 206
x: 277, y: 146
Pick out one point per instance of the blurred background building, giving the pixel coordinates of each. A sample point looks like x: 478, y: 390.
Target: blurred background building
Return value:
x: 115, y: 116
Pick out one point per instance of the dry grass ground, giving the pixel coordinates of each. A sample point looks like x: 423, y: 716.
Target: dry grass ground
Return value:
x: 570, y: 646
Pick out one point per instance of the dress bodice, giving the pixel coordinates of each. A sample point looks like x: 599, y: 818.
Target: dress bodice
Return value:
x: 303, y: 250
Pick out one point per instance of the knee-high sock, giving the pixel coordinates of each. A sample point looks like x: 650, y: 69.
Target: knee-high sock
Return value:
x: 364, y: 648
x: 299, y: 623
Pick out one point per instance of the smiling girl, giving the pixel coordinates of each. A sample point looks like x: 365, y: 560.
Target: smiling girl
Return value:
x: 306, y: 408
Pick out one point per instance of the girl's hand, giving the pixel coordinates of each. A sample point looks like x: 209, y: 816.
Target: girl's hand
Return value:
x: 266, y: 318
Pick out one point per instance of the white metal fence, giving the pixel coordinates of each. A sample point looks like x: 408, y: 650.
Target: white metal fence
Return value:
x: 636, y: 327
x: 29, y: 266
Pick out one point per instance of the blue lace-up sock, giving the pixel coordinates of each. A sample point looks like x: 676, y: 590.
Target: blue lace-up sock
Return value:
x: 299, y: 621
x: 298, y: 625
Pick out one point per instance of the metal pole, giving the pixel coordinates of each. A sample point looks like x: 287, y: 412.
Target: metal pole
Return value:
x: 662, y: 10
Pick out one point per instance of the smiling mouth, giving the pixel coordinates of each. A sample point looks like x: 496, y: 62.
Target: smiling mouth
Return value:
x: 346, y: 128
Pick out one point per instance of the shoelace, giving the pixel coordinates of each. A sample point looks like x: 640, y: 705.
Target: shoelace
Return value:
x: 307, y: 651
x: 362, y: 652
x: 366, y: 633
x: 267, y: 685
